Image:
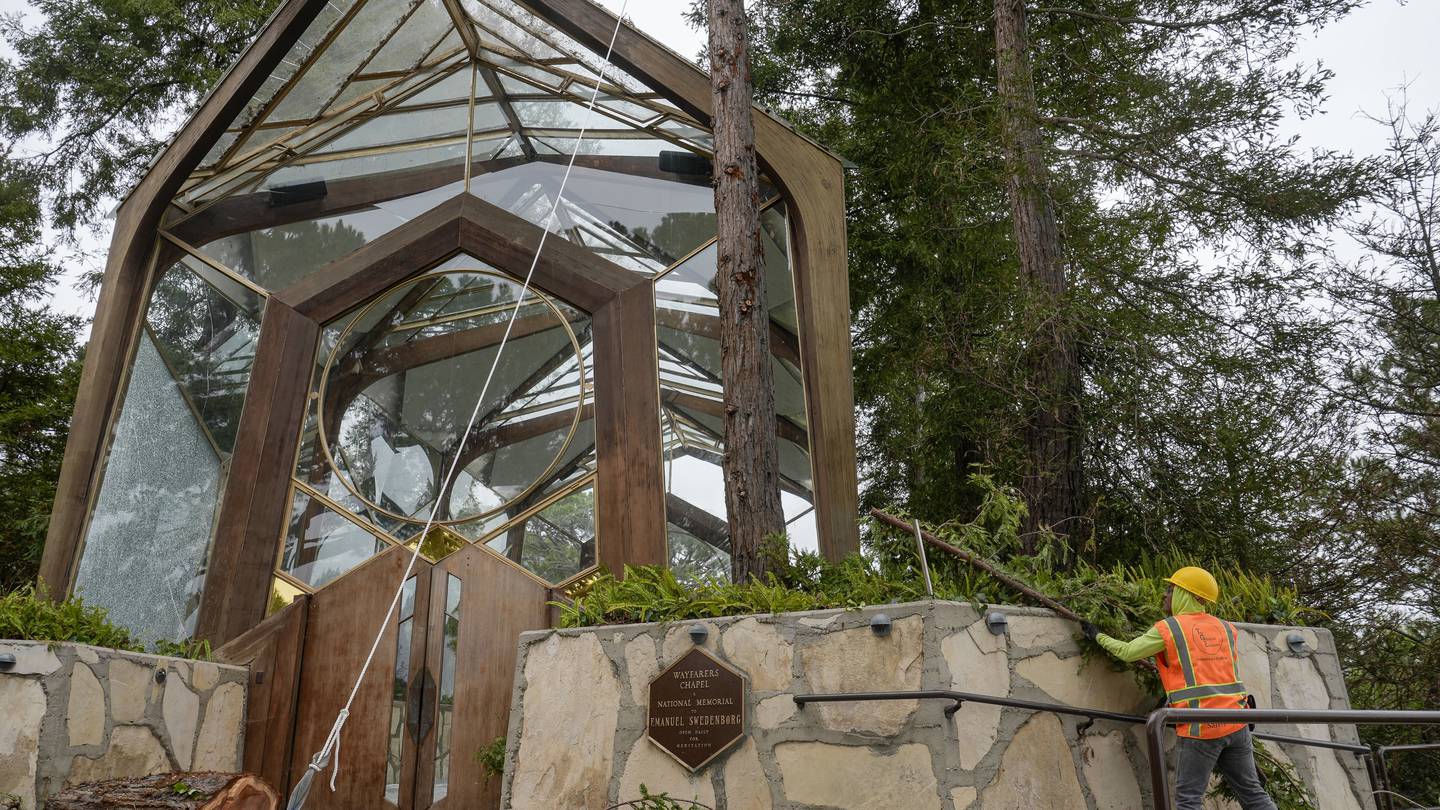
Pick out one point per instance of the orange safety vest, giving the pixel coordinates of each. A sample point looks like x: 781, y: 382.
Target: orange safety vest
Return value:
x: 1199, y: 669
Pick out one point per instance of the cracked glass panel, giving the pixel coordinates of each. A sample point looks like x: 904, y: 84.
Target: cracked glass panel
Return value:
x: 146, y: 546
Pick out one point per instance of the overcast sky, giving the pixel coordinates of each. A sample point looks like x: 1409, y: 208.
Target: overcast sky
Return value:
x: 1373, y: 52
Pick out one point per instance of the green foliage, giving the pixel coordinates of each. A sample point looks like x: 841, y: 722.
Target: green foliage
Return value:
x: 195, y: 649
x: 183, y: 790
x: 1281, y: 782
x: 1122, y: 599
x: 492, y: 758
x: 661, y: 801
x: 39, y: 372
x: 26, y: 613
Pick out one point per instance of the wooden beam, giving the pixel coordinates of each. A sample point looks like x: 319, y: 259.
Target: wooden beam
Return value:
x: 630, y: 498
x: 254, y: 509
x: 122, y: 293
x: 700, y: 524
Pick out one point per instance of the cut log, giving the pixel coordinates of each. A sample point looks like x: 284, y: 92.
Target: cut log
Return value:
x: 171, y: 791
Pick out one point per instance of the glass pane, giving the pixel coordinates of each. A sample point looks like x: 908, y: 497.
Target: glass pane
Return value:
x: 642, y: 223
x: 330, y: 69
x: 208, y: 340
x: 277, y: 257
x: 416, y: 38
x: 445, y: 719
x: 404, y: 381
x: 145, y: 550
x: 401, y: 127
x: 395, y: 756
x: 692, y: 397
x: 321, y: 544
x: 557, y: 543
x: 282, y: 593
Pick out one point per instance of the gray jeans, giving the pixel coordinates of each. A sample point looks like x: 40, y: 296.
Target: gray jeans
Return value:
x: 1233, y: 756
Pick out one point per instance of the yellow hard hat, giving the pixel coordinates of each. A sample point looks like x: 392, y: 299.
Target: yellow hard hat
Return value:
x: 1197, y: 581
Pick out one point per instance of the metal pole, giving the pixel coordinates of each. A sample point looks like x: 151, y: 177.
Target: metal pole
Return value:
x: 924, y: 561
x: 1387, y: 800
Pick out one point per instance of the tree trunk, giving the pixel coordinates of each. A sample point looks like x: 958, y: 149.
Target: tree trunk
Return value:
x: 751, y: 465
x: 1052, y: 442
x: 171, y: 791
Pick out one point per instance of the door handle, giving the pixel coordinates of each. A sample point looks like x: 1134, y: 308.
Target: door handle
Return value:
x: 419, y: 713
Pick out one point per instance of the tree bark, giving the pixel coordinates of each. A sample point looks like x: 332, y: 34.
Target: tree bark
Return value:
x: 751, y: 464
x: 199, y: 791
x: 1052, y: 443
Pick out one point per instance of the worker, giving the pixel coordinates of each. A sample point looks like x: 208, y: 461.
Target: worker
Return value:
x: 1199, y: 669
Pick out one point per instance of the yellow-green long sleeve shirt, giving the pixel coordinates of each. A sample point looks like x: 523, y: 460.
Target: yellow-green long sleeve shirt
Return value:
x: 1143, y: 646
x: 1149, y: 643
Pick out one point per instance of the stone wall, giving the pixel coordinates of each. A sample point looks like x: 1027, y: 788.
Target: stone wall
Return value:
x: 577, y: 729
x: 74, y: 714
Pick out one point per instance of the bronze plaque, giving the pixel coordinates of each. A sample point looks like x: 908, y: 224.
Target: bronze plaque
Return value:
x: 697, y: 708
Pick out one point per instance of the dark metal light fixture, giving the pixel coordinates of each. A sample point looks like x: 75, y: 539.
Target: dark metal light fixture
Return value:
x: 880, y: 624
x: 699, y: 633
x: 7, y: 662
x: 997, y: 622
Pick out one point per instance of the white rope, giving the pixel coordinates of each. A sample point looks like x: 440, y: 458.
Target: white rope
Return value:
x: 332, y: 741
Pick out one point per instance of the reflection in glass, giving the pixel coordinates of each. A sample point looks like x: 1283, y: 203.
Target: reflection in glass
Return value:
x: 402, y: 384
x: 692, y: 402
x: 400, y: 691
x: 445, y: 719
x: 207, y: 334
x: 557, y: 543
x: 145, y: 549
x: 321, y: 544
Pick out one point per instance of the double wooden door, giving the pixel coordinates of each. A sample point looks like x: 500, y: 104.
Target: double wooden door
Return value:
x: 438, y: 690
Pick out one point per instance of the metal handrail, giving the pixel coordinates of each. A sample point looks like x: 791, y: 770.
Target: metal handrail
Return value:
x: 1381, y: 767
x: 1160, y: 718
x: 1039, y: 706
x: 1373, y: 757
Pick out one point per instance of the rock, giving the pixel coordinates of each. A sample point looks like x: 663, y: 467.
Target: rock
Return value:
x: 218, y: 748
x: 1255, y: 667
x: 87, y: 654
x: 23, y: 702
x: 129, y: 684
x: 1298, y: 685
x: 659, y: 772
x: 1076, y: 682
x: 204, y: 675
x: 757, y: 649
x: 1036, y: 771
x: 858, y: 778
x: 1042, y: 632
x: 641, y: 667
x: 821, y: 622
x: 1108, y: 771
x: 859, y: 661
x: 746, y: 787
x: 134, y: 751
x: 773, y: 711
x: 572, y: 704
x: 181, y: 710
x: 31, y: 658
x: 983, y: 670
x: 85, y: 714
x: 962, y: 797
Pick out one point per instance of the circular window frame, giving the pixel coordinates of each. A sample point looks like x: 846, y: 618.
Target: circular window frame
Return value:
x: 529, y: 490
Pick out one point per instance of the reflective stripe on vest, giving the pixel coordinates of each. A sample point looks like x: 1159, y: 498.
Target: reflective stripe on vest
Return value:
x: 1205, y: 676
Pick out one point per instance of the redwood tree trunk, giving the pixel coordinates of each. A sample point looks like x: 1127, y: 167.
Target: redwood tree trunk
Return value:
x: 752, y: 477
x: 1052, y: 441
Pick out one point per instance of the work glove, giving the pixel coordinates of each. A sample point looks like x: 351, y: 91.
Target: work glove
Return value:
x: 1090, y: 630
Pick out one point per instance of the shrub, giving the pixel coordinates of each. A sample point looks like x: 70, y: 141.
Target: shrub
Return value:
x: 29, y: 614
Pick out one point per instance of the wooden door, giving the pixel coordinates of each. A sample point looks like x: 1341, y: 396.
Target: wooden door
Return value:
x: 479, y: 606
x: 378, y: 752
